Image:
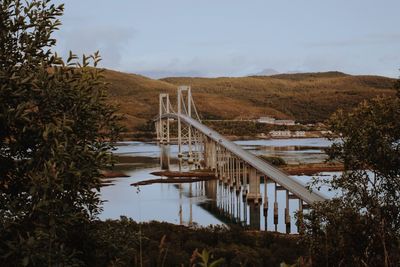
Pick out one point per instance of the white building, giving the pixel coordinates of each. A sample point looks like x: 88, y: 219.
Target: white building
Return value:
x: 284, y: 122
x: 280, y: 133
x: 268, y: 120
x: 299, y: 134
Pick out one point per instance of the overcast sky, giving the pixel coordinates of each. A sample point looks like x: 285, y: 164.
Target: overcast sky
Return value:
x: 235, y: 37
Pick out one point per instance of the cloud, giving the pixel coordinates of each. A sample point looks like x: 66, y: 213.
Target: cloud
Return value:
x: 206, y: 66
x: 110, y: 41
x: 157, y: 74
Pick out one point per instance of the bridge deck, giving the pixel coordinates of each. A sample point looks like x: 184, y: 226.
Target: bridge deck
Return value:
x: 263, y: 167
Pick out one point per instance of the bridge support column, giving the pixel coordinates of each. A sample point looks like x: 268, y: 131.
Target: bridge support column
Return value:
x: 238, y: 176
x: 179, y: 124
x: 211, y: 189
x: 254, y: 187
x: 210, y: 154
x: 213, y: 155
x: 245, y: 182
x: 206, y: 153
x: 265, y: 200
x: 189, y: 113
x: 226, y: 167
x: 244, y: 212
x: 231, y: 171
x: 164, y: 131
x: 238, y: 209
x: 287, y: 215
x: 234, y: 172
x: 276, y: 208
x: 223, y: 165
x: 255, y: 219
x: 205, y: 156
x: 163, y: 124
x: 164, y: 157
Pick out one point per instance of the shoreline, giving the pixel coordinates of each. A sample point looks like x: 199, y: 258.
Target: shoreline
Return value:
x: 308, y: 169
x: 311, y: 169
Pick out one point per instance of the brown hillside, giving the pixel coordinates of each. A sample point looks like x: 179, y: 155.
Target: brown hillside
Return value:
x: 306, y: 97
x: 136, y: 96
x: 310, y: 75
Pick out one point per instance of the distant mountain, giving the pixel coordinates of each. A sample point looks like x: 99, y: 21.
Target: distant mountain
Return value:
x: 293, y: 71
x: 305, y: 97
x: 166, y: 73
x: 266, y: 72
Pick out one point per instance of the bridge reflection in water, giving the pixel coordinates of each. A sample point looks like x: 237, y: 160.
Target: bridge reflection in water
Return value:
x: 230, y: 205
x: 244, y: 184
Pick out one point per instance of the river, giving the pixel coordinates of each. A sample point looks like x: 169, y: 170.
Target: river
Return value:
x: 191, y: 204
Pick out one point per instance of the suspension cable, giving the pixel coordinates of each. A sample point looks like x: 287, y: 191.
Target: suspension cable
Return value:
x: 195, y: 109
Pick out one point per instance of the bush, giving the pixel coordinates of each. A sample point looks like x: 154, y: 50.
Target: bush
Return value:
x: 120, y: 241
x: 361, y: 227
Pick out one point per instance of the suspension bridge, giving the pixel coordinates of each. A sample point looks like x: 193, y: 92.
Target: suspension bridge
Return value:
x: 235, y: 168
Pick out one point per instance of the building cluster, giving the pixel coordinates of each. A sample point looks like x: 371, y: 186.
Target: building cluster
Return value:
x: 287, y: 133
x: 270, y: 120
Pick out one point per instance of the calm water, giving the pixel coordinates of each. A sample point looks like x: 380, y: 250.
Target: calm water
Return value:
x: 196, y: 203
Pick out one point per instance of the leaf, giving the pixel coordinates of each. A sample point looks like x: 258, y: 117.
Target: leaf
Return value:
x: 205, y: 256
x: 217, y: 263
x: 25, y: 261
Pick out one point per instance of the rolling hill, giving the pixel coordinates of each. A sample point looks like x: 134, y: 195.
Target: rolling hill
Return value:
x: 305, y: 97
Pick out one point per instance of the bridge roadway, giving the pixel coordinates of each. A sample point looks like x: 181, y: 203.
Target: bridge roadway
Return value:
x: 263, y: 167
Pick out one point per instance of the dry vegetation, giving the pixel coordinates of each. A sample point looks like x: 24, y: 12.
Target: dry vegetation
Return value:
x: 306, y: 97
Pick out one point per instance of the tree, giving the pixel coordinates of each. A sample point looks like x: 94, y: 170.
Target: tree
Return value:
x: 361, y: 226
x: 56, y: 134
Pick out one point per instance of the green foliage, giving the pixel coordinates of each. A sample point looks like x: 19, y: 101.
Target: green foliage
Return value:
x: 56, y: 133
x: 127, y: 243
x: 204, y: 258
x: 361, y: 227
x: 301, y: 262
